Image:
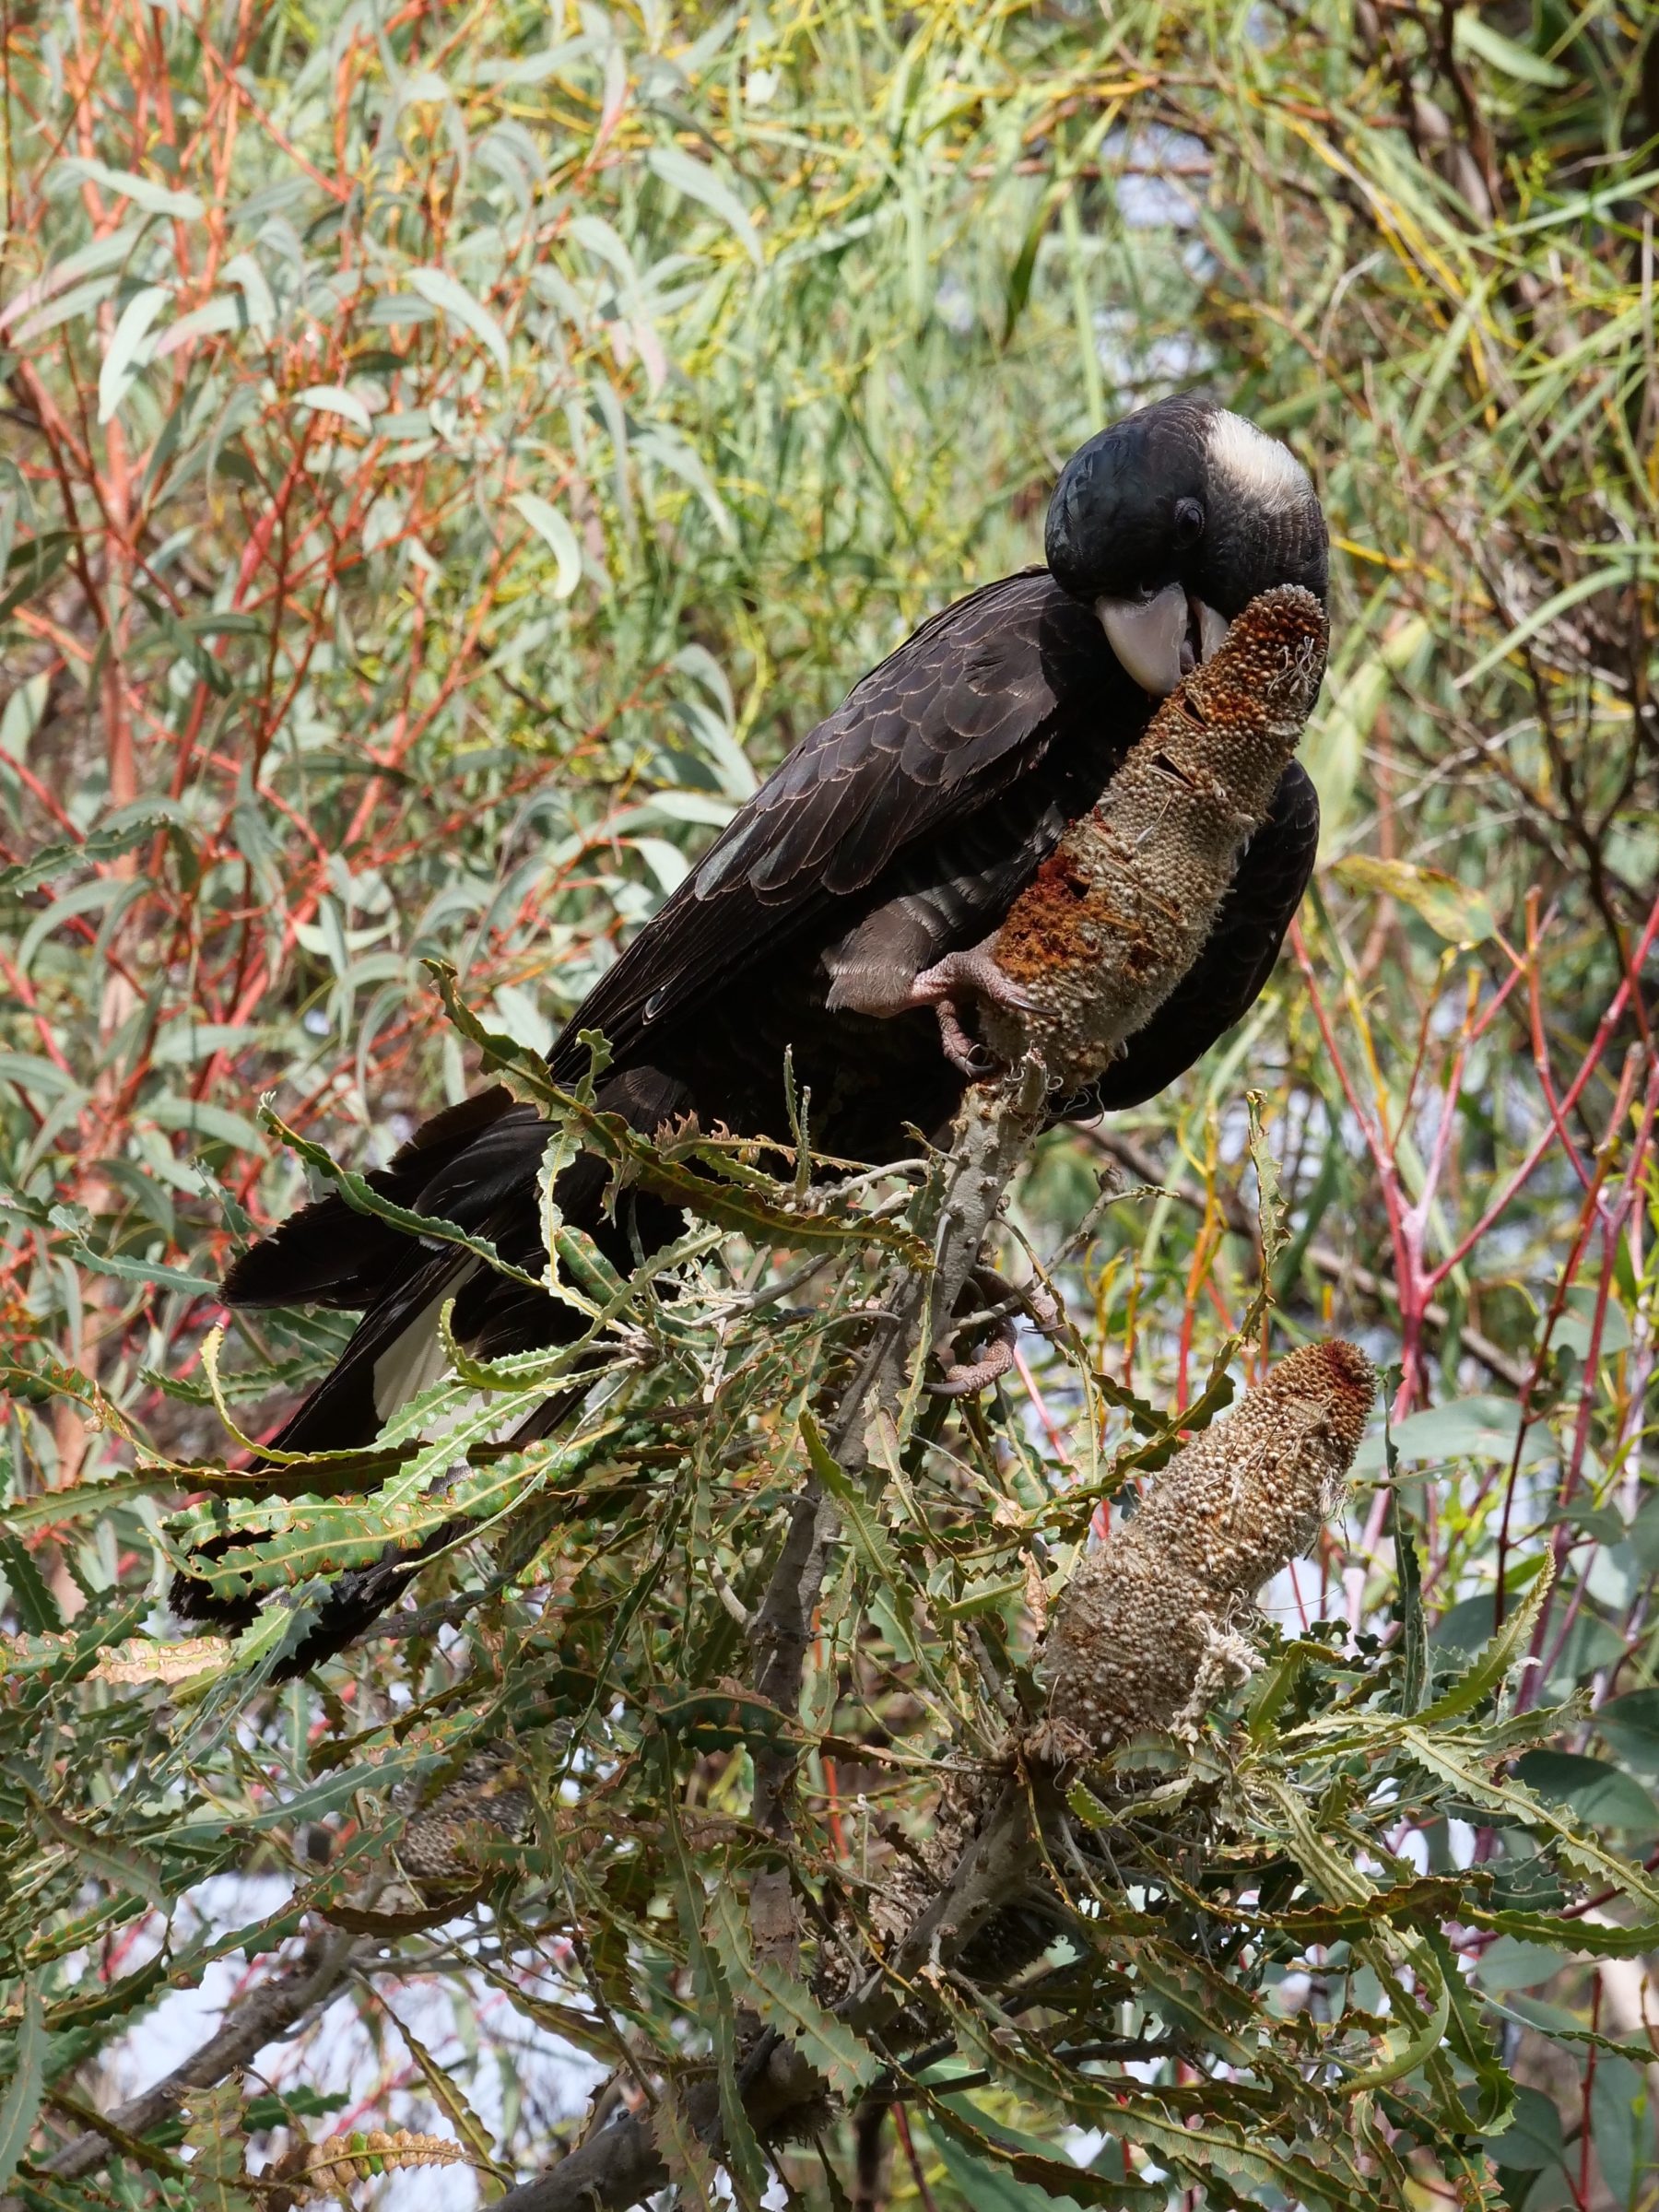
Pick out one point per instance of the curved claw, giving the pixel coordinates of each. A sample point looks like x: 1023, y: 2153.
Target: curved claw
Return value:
x: 975, y: 970
x: 976, y: 973
x: 961, y: 1049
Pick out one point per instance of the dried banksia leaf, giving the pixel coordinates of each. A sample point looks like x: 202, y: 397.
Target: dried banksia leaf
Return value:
x: 1120, y: 911
x: 333, y: 2167
x: 139, y: 1660
x: 1146, y: 1633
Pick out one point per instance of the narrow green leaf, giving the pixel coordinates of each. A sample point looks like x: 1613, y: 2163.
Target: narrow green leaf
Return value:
x: 130, y: 347
x: 358, y: 1194
x: 42, y: 558
x: 442, y: 290
x: 80, y: 1501
x: 136, y: 827
x: 1270, y: 1203
x: 1507, y: 1648
x: 334, y: 399
x: 243, y: 270
x: 155, y: 1274
x: 741, y: 2151
x: 686, y: 2156
x: 1453, y: 910
x: 221, y: 314
x: 871, y: 1541
x: 1332, y: 1875
x: 1600, y: 1938
x: 35, y: 1604
x: 100, y: 254
x: 122, y: 1866
x: 39, y: 1077
x: 719, y: 1188
x: 1470, y: 2037
x: 290, y: 1542
x: 1624, y: 568
x: 1016, y: 289
x: 555, y: 530
x: 699, y: 182
x: 1470, y: 33
x: 1455, y: 1761
x: 21, y: 2102
x: 144, y: 191
x: 447, y: 2094
x: 990, y: 2188
x: 1417, y: 2038
x: 1408, y: 1582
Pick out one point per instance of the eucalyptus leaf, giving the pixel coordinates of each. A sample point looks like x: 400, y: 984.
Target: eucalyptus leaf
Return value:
x: 1596, y: 1790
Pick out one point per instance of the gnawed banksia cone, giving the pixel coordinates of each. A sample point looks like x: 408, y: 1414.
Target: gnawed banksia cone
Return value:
x: 1120, y: 911
x: 1147, y: 1634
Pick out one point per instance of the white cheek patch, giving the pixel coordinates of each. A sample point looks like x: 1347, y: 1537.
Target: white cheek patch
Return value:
x: 1262, y: 468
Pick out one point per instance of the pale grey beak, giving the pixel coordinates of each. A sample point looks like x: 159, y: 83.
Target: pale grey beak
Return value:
x: 1158, y: 641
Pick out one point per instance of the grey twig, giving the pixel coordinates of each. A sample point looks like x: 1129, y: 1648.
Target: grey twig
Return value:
x: 993, y: 1131
x: 264, y: 2015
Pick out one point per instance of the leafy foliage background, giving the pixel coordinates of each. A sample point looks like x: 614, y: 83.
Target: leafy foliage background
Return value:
x: 447, y: 454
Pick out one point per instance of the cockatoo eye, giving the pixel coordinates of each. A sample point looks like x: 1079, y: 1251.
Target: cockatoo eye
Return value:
x: 1189, y: 522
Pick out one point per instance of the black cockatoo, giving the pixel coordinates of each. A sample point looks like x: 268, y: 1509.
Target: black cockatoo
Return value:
x: 824, y: 918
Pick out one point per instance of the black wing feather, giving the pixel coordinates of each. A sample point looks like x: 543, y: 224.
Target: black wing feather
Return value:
x: 942, y: 727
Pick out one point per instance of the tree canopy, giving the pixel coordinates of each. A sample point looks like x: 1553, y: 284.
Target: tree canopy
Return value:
x: 447, y: 454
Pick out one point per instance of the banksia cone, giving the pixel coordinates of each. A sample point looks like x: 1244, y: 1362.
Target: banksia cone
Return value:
x: 1145, y: 1634
x: 460, y: 1832
x: 1120, y: 909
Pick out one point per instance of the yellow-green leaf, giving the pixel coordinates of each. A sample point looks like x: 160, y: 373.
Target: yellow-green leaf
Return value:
x: 1455, y: 911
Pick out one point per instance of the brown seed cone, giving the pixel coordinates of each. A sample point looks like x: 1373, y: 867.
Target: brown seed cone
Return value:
x: 452, y: 1836
x: 1119, y: 911
x: 1145, y: 1634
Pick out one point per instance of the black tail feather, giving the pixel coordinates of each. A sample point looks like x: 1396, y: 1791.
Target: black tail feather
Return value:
x: 328, y: 1254
x: 476, y: 1165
